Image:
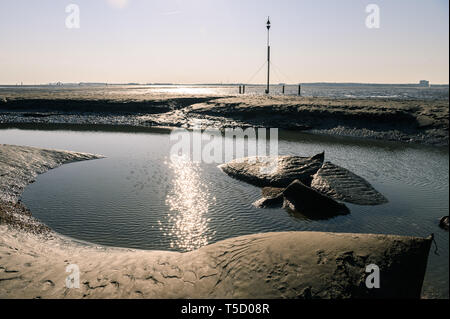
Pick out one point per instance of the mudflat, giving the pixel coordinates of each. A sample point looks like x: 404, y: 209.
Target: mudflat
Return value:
x: 412, y: 120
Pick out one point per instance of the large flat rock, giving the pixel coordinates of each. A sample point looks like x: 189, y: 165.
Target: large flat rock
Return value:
x: 277, y: 171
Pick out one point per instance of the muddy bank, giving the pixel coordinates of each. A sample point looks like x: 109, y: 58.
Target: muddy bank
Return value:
x: 48, y: 107
x: 19, y: 217
x: 411, y: 121
x: 19, y: 166
x: 414, y: 121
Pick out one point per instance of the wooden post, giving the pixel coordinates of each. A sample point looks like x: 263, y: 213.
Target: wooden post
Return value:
x: 268, y: 25
x: 282, y: 90
x: 240, y: 89
x: 243, y: 89
x: 299, y: 90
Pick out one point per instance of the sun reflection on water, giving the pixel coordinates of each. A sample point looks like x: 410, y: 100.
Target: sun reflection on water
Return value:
x: 189, y: 201
x: 163, y: 90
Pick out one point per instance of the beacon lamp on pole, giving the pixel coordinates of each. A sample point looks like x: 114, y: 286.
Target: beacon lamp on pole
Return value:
x: 268, y: 55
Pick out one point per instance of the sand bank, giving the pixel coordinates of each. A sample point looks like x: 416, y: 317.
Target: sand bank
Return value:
x: 415, y: 121
x: 272, y: 265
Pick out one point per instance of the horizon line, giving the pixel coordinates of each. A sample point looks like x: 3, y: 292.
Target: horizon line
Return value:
x: 217, y: 83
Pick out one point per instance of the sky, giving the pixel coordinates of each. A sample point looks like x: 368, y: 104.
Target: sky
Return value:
x: 223, y: 41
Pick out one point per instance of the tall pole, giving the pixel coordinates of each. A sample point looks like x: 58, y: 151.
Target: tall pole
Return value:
x: 268, y: 55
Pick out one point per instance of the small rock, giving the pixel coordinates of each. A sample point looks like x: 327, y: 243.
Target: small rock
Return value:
x: 444, y: 222
x: 272, y: 197
x: 268, y: 202
x: 272, y: 192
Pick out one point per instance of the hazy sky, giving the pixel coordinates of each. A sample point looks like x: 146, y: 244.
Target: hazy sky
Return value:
x: 204, y: 41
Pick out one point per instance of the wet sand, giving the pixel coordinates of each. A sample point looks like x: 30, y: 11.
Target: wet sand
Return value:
x: 272, y: 265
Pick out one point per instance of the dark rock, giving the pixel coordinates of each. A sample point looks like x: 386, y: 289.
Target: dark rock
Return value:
x: 444, y: 222
x: 310, y: 203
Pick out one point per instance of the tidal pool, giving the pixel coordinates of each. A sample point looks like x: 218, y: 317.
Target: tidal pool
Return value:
x: 138, y: 198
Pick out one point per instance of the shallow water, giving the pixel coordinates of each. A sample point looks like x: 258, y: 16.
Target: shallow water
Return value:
x: 331, y: 91
x: 137, y: 197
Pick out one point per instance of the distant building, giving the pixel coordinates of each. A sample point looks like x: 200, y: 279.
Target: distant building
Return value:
x: 424, y: 83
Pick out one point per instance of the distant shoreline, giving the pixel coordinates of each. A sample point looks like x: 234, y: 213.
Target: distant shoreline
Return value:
x: 324, y: 84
